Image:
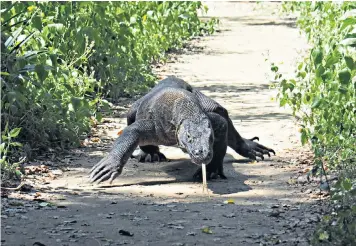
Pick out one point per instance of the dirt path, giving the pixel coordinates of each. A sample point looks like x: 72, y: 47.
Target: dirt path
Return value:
x: 158, y: 202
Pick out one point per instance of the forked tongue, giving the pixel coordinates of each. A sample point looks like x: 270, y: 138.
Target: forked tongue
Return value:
x: 205, y: 183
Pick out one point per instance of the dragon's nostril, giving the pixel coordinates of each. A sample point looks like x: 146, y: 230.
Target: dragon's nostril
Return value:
x: 197, y: 152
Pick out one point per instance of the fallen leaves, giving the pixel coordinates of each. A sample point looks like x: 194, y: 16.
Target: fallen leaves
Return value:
x: 119, y: 132
x: 229, y: 201
x: 95, y: 140
x: 207, y: 230
x: 36, y: 195
x: 36, y: 169
x: 46, y: 204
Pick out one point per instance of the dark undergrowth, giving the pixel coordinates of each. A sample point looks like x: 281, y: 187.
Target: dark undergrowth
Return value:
x: 63, y: 62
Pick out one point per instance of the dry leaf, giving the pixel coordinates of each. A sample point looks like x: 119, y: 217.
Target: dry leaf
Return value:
x: 95, y: 140
x: 84, y: 143
x: 51, y: 175
x: 207, y: 230
x: 119, y: 132
x: 229, y: 201
x: 36, y: 169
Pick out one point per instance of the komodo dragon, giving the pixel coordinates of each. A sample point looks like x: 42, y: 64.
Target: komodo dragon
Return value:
x: 174, y: 113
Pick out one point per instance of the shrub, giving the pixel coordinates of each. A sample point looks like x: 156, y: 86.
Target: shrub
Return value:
x: 322, y: 93
x: 61, y: 59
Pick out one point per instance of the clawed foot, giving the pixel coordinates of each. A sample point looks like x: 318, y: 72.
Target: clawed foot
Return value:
x: 106, y: 169
x: 253, y: 150
x: 142, y: 156
x: 198, y: 175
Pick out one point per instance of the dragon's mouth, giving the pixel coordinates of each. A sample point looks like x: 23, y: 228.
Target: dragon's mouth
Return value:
x: 202, y: 160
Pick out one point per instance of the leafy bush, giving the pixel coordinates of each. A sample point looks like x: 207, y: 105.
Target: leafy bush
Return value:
x: 322, y: 93
x: 60, y: 59
x: 9, y: 169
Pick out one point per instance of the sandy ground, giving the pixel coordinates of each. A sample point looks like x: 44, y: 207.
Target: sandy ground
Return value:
x: 158, y: 202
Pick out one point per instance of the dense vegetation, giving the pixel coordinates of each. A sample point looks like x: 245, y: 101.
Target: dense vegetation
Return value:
x: 322, y: 94
x: 61, y: 60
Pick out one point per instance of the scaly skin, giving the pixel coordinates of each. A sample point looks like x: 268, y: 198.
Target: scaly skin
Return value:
x: 171, y: 116
x: 174, y: 113
x: 245, y: 147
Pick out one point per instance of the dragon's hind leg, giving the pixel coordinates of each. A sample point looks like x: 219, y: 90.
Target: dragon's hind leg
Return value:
x: 149, y: 153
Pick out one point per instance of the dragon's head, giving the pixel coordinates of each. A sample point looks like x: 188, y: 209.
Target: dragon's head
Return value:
x: 197, y: 137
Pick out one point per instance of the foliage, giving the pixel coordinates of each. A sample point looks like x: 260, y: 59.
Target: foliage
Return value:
x: 61, y: 59
x: 7, y: 145
x: 322, y: 94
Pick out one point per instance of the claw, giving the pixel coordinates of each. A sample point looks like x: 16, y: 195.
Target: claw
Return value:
x: 222, y: 176
x: 255, y: 138
x: 105, y: 177
x: 266, y: 149
x: 113, y: 176
x: 252, y: 156
x: 148, y: 158
x: 263, y: 151
x: 106, y: 169
x: 156, y: 157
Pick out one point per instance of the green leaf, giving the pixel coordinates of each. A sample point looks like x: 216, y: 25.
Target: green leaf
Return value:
x: 207, y: 230
x: 37, y: 22
x: 344, y: 76
x: 346, y: 184
x: 15, y: 132
x: 349, y: 14
x: 44, y: 204
x: 323, y: 236
x: 342, y: 90
x: 56, y: 26
x: 349, y: 42
x: 99, y: 116
x: 53, y: 59
x: 317, y: 56
x: 349, y: 62
x: 347, y: 22
x: 41, y: 72
x: 4, y: 74
x: 76, y: 102
x: 274, y: 68
x: 16, y: 144
x: 320, y: 70
x: 316, y: 102
x: 304, y: 137
x: 2, y: 147
x: 332, y: 59
x: 18, y: 173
